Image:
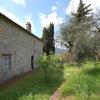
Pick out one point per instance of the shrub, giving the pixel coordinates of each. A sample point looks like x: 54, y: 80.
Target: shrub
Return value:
x: 49, y: 64
x: 91, y: 68
x: 68, y: 58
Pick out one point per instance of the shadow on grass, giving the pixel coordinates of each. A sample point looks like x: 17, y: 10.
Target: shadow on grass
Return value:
x: 32, y: 87
x: 94, y: 71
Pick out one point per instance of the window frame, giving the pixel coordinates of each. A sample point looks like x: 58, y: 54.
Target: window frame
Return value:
x: 6, y: 62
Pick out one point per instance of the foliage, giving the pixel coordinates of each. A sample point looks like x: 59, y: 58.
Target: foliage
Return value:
x: 96, y: 34
x: 68, y: 58
x: 80, y: 36
x: 78, y: 24
x: 82, y: 11
x: 48, y: 39
x: 85, y: 83
x: 49, y: 64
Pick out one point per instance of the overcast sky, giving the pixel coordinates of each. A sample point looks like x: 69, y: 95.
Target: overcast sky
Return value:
x: 41, y: 12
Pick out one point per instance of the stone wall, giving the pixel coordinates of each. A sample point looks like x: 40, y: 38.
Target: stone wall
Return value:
x: 20, y: 44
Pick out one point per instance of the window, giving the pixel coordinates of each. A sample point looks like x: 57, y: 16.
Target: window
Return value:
x: 6, y: 63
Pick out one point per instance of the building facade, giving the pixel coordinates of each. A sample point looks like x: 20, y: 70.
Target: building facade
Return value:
x: 19, y: 49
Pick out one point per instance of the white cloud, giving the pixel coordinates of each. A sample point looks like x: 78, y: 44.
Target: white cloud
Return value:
x: 28, y: 18
x: 54, y: 8
x: 50, y: 18
x: 17, y: 19
x: 20, y: 2
x: 11, y: 16
x: 73, y: 4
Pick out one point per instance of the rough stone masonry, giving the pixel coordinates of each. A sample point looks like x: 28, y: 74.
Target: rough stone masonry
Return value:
x: 19, y: 48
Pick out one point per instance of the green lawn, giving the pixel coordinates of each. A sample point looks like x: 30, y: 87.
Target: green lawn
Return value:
x: 29, y: 87
x: 79, y: 83
x: 82, y: 83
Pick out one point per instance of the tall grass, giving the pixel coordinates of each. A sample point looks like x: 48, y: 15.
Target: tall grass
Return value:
x: 84, y: 84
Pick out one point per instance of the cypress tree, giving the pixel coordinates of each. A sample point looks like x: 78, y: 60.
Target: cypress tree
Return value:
x: 48, y: 39
x: 45, y: 37
x: 51, y: 41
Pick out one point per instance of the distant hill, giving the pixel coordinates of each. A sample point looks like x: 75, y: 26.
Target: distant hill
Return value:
x: 59, y: 51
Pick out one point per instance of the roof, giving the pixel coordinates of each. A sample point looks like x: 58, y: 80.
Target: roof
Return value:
x: 19, y: 26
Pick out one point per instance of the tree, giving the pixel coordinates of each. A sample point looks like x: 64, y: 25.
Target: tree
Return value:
x: 48, y: 39
x: 52, y: 42
x: 75, y: 35
x: 78, y: 24
x: 45, y: 39
x: 82, y: 11
x: 68, y: 34
x: 96, y: 34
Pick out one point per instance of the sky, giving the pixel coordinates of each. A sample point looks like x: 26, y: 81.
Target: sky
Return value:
x: 41, y: 12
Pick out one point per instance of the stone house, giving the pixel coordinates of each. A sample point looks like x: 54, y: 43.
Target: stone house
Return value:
x: 19, y: 48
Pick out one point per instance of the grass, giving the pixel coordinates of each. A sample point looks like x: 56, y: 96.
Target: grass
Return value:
x: 79, y: 84
x: 30, y: 87
x: 83, y: 83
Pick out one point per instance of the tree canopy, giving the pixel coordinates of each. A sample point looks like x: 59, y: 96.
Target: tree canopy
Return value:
x: 78, y: 34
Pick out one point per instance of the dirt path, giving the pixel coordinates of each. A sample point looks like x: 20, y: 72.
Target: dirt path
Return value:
x: 55, y: 96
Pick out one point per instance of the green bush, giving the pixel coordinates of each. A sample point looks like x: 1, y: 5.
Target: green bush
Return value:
x: 68, y: 58
x: 91, y: 68
x: 50, y: 65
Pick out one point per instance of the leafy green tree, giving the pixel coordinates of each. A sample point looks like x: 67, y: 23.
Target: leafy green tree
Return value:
x: 75, y: 34
x: 95, y: 40
x: 79, y: 22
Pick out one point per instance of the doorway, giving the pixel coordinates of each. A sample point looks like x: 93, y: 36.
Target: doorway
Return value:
x: 32, y: 62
